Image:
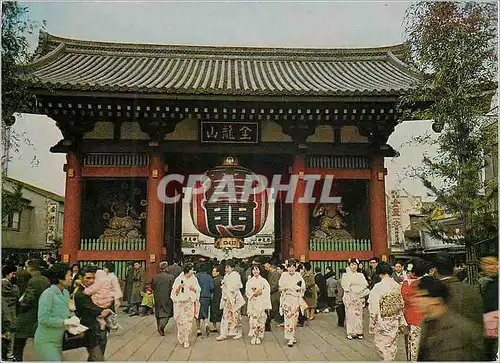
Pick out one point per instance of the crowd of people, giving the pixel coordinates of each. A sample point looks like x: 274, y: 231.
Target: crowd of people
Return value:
x: 59, y: 306
x: 440, y: 316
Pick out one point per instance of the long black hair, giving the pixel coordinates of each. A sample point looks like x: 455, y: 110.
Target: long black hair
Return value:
x: 188, y: 266
x: 259, y: 267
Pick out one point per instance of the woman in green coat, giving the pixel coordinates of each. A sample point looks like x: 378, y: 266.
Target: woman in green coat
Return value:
x: 54, y: 315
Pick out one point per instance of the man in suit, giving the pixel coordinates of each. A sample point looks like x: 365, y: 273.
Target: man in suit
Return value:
x: 273, y: 277
x: 88, y: 312
x: 374, y: 277
x: 339, y: 301
x: 465, y: 299
x: 162, y: 287
x: 22, y: 278
x: 127, y: 291
x: 27, y: 318
x: 320, y: 281
x: 10, y: 296
x: 175, y: 269
x: 398, y: 275
x: 446, y: 335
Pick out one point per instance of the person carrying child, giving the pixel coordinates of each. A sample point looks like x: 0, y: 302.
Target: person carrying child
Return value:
x: 101, y: 293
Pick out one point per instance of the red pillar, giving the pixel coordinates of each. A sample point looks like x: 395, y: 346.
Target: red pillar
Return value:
x: 155, y: 216
x: 378, y: 222
x: 286, y: 228
x: 300, y: 214
x: 72, y: 209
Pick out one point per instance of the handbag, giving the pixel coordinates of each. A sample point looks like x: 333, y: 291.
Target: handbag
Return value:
x: 74, y: 341
x: 71, y: 341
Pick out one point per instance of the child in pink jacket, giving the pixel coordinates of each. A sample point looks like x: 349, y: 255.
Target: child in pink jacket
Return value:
x: 101, y: 293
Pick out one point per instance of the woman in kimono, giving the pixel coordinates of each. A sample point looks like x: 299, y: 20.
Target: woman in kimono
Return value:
x: 258, y: 293
x: 231, y: 302
x: 385, y: 304
x: 355, y: 289
x: 54, y: 316
x: 186, y: 297
x: 292, y: 288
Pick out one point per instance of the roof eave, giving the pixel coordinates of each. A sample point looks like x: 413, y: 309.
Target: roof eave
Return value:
x: 151, y: 94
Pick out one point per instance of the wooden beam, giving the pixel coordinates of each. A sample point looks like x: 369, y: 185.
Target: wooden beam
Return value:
x: 193, y: 147
x: 341, y: 173
x: 175, y: 97
x: 115, y: 171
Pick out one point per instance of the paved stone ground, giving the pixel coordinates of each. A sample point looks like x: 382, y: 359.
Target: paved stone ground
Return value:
x: 319, y: 340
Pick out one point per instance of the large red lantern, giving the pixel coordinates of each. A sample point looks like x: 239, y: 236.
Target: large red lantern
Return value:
x: 224, y: 217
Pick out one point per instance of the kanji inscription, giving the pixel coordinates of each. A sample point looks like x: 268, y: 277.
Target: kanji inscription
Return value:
x: 229, y: 132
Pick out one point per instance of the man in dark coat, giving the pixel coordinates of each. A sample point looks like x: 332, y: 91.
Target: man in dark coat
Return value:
x: 88, y: 312
x: 162, y: 287
x: 206, y: 282
x: 398, y: 275
x: 446, y: 335
x: 128, y: 286
x: 27, y: 318
x: 175, y: 269
x: 273, y: 277
x: 22, y: 278
x: 10, y: 296
x: 489, y: 267
x: 320, y: 281
x: 215, y: 311
x: 138, y: 285
x: 465, y: 299
x: 374, y: 277
x: 339, y: 301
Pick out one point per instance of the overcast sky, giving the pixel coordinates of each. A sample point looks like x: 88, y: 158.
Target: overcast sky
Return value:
x: 275, y: 24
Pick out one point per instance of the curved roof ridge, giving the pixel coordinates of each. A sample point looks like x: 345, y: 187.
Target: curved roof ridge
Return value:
x: 68, y: 64
x: 50, y: 40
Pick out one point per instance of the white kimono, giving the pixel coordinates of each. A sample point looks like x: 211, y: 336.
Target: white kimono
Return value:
x: 355, y: 289
x: 230, y: 304
x: 385, y: 329
x: 186, y: 305
x: 257, y: 305
x: 292, y: 289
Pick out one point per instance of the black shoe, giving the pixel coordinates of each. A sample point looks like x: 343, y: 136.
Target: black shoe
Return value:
x: 301, y: 325
x: 268, y: 328
x: 161, y: 332
x: 133, y: 314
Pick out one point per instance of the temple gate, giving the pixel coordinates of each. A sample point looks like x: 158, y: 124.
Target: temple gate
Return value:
x: 133, y: 113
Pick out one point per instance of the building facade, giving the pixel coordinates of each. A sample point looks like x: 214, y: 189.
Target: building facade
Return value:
x: 400, y: 206
x: 419, y: 242
x: 131, y: 114
x: 37, y: 226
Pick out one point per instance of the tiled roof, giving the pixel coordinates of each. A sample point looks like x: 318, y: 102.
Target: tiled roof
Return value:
x: 69, y: 64
x: 45, y: 193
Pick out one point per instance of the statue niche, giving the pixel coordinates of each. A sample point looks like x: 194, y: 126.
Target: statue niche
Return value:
x: 331, y: 222
x: 124, y: 224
